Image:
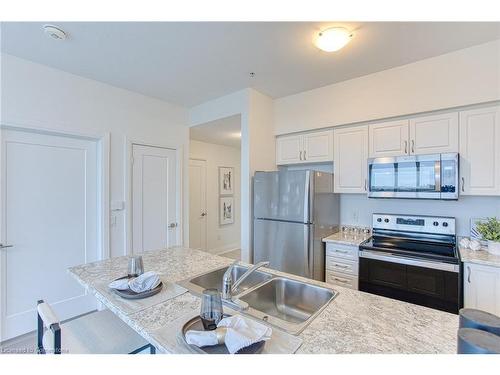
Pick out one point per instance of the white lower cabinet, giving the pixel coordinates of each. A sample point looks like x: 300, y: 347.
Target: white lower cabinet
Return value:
x: 342, y: 265
x: 482, y: 287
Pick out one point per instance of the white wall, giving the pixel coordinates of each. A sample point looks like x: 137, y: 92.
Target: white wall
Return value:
x: 37, y: 96
x: 257, y: 144
x: 220, y: 238
x: 455, y: 79
x: 357, y: 209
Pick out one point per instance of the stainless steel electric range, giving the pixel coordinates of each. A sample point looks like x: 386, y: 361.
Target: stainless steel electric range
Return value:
x: 413, y: 259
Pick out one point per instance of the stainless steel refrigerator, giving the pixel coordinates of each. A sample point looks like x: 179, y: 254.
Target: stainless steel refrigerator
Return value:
x: 293, y: 211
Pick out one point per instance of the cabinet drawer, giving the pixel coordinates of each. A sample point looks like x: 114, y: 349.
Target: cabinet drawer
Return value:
x: 342, y: 251
x: 337, y: 278
x: 342, y: 265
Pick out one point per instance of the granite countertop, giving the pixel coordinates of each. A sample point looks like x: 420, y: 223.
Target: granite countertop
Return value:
x: 354, y: 322
x: 347, y: 238
x: 479, y: 257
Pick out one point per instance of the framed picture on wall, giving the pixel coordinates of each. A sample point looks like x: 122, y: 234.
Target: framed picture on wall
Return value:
x: 226, y: 210
x: 226, y: 181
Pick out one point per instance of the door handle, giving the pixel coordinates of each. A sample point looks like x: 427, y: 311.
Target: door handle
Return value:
x: 463, y: 184
x: 172, y: 225
x: 406, y: 147
x: 2, y: 246
x: 412, y: 146
x: 468, y: 276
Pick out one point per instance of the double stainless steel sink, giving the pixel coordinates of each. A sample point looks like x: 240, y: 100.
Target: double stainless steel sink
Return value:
x: 285, y: 303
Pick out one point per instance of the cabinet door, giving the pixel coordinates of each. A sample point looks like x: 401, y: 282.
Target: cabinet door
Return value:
x: 482, y: 287
x: 434, y: 134
x: 289, y: 149
x: 318, y: 146
x: 389, y: 139
x: 480, y: 151
x: 350, y: 159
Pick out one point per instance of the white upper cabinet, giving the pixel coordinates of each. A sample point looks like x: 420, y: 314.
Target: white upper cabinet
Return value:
x: 350, y: 159
x: 314, y: 147
x: 388, y: 139
x: 289, y: 149
x: 318, y: 146
x: 480, y: 151
x: 434, y: 134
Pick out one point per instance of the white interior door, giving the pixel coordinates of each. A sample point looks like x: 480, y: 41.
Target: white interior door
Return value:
x: 198, y: 204
x: 154, y: 223
x: 50, y: 217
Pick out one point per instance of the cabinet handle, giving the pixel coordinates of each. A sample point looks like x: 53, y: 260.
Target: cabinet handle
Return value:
x: 468, y: 276
x: 341, y: 280
x: 300, y: 155
x: 406, y: 147
x: 463, y: 184
x: 365, y: 185
x: 341, y: 251
x: 412, y: 146
x: 305, y: 158
x: 340, y: 266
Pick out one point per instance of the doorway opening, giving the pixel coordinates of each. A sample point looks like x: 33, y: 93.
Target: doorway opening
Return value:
x: 214, y: 187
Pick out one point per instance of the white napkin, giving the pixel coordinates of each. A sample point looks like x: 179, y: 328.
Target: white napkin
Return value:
x: 240, y: 333
x: 243, y: 332
x: 201, y: 338
x: 144, y: 282
x: 120, y: 284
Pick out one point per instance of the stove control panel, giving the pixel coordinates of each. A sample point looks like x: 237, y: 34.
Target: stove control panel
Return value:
x: 413, y: 223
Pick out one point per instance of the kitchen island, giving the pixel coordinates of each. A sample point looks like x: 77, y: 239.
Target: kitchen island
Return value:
x: 354, y: 322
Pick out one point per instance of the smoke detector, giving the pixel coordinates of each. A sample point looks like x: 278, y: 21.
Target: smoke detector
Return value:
x: 54, y: 32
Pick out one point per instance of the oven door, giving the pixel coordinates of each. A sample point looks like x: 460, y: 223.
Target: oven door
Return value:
x: 427, y: 283
x: 405, y: 177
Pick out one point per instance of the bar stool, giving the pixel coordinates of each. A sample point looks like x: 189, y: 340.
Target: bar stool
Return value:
x: 477, y: 319
x: 475, y: 341
x: 100, y: 332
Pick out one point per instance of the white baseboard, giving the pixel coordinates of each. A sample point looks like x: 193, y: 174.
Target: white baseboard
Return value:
x: 224, y: 250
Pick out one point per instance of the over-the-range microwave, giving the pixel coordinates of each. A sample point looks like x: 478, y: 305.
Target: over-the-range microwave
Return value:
x: 432, y: 176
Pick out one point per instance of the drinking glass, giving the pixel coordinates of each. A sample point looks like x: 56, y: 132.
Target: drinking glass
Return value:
x: 211, y: 309
x: 135, y: 266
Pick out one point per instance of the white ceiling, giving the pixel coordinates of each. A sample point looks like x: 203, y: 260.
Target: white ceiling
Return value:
x: 225, y: 131
x: 189, y: 63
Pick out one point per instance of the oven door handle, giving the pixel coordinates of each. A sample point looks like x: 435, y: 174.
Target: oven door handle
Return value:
x: 392, y: 258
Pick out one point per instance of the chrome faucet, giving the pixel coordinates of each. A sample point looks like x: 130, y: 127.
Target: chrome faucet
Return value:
x: 230, y: 286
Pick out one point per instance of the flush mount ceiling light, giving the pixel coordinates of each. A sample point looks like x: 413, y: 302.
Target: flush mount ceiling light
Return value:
x: 54, y: 32
x: 333, y: 39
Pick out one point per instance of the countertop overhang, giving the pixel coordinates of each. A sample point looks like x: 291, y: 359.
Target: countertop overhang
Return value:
x: 355, y: 322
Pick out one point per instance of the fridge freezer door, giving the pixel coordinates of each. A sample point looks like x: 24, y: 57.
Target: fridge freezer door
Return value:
x: 283, y: 195
x: 287, y: 246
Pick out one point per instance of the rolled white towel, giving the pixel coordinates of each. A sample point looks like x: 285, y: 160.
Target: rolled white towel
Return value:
x: 144, y: 282
x: 120, y: 284
x: 465, y: 242
x: 475, y: 245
